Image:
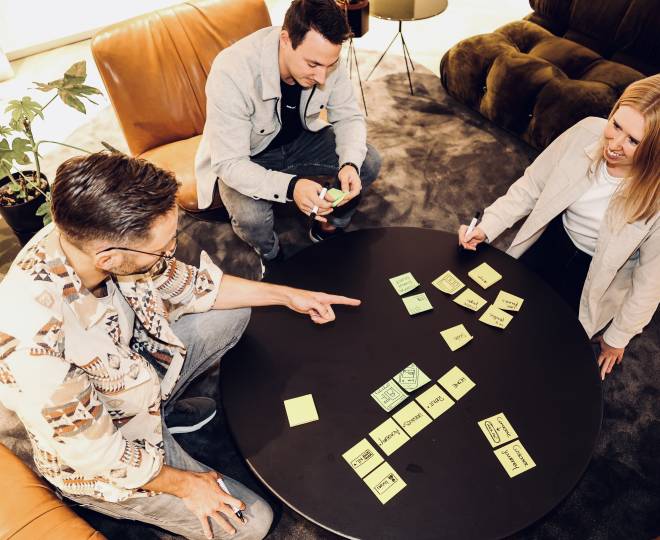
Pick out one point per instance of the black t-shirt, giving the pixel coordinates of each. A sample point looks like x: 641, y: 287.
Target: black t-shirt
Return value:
x: 291, y: 124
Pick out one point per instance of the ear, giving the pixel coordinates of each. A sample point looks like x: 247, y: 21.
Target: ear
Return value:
x: 108, y: 260
x: 285, y: 40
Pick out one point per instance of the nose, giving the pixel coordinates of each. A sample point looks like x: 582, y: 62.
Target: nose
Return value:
x: 320, y: 75
x: 618, y: 140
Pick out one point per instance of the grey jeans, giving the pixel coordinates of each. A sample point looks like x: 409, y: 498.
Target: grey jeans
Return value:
x: 312, y: 153
x: 207, y: 337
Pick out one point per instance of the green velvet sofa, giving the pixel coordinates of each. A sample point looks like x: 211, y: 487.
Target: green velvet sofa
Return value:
x: 567, y: 60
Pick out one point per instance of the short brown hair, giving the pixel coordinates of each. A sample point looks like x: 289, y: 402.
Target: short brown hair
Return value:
x: 327, y: 17
x: 110, y: 196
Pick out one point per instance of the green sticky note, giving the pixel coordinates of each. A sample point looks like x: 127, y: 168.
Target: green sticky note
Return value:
x: 337, y: 194
x: 417, y: 303
x: 363, y: 458
x: 384, y: 482
x: 404, y: 283
x: 434, y: 401
x: 389, y: 395
x: 448, y: 283
x: 496, y: 317
x: 456, y: 383
x: 508, y: 301
x: 411, y: 378
x: 514, y: 458
x: 456, y: 336
x: 485, y: 275
x: 470, y: 299
x: 389, y: 436
x: 412, y: 418
x: 301, y: 410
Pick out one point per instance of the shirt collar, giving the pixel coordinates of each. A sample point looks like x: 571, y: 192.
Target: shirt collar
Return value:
x: 86, y: 307
x: 593, y: 151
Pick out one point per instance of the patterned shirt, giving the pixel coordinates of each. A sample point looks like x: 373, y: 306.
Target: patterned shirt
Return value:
x: 90, y: 400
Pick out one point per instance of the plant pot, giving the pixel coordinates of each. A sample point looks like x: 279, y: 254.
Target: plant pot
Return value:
x: 23, y: 218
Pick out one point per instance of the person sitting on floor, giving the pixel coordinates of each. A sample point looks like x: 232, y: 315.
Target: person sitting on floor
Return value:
x: 264, y: 132
x: 102, y: 330
x: 593, y: 231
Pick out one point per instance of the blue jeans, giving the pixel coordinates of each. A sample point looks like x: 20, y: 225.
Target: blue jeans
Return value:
x: 207, y: 337
x: 312, y: 153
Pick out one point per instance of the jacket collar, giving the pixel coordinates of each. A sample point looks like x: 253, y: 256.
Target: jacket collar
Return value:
x: 86, y: 307
x: 593, y: 151
x: 270, y: 65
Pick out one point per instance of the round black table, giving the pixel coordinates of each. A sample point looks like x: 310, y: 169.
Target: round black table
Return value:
x: 540, y: 372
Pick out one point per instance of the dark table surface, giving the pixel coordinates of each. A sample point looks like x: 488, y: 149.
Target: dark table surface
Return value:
x: 540, y: 372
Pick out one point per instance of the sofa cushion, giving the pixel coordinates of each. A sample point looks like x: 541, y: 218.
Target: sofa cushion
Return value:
x: 29, y: 509
x: 531, y: 82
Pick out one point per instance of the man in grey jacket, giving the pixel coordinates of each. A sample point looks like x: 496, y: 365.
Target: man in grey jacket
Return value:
x: 264, y: 132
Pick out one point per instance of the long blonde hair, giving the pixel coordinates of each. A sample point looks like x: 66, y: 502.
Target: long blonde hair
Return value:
x: 639, y: 197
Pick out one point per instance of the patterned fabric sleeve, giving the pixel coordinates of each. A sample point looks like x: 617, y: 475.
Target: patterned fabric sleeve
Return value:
x: 188, y: 289
x: 62, y: 411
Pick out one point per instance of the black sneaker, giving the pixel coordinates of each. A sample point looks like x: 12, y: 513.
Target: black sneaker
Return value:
x: 190, y: 414
x: 316, y: 234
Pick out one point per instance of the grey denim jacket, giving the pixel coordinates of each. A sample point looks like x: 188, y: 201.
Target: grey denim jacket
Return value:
x: 243, y: 116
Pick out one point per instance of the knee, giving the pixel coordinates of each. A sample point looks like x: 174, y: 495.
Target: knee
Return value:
x: 371, y: 166
x: 261, y: 518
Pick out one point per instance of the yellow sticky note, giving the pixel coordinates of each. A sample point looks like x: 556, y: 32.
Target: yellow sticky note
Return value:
x: 411, y: 378
x: 496, y: 317
x: 508, y: 301
x: 456, y: 336
x: 470, y: 299
x: 389, y: 436
x: 417, y: 303
x: 384, y: 482
x: 389, y: 395
x: 301, y: 410
x: 412, y: 418
x: 363, y: 458
x: 514, y: 458
x: 497, y: 430
x: 448, y: 283
x: 435, y: 401
x: 485, y: 275
x: 456, y: 383
x: 404, y: 283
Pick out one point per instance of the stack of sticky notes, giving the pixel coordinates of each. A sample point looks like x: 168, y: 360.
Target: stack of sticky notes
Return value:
x: 301, y: 410
x: 337, y: 196
x: 389, y: 395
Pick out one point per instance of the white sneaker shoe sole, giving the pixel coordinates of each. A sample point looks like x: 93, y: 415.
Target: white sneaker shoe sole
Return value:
x: 190, y: 429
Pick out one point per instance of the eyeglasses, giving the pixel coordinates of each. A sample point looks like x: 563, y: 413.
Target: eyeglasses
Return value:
x: 167, y: 255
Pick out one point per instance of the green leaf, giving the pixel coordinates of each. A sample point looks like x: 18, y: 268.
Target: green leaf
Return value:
x: 72, y: 101
x: 77, y: 70
x: 44, y: 208
x: 5, y: 131
x: 23, y: 108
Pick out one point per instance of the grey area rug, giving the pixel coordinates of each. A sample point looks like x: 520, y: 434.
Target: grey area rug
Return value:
x: 441, y: 163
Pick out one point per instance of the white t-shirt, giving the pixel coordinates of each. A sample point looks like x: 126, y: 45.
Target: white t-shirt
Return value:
x: 583, y: 218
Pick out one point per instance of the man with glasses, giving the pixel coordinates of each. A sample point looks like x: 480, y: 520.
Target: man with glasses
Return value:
x: 101, y: 331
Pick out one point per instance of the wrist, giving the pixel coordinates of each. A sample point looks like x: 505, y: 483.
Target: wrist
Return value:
x: 291, y: 188
x: 349, y: 164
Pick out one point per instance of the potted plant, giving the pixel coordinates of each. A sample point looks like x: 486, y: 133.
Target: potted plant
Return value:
x: 24, y: 190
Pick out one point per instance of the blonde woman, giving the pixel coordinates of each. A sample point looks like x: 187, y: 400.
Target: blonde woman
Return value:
x: 593, y: 230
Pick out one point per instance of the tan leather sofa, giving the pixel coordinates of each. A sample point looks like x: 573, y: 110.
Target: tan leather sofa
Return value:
x: 30, y: 510
x: 155, y: 67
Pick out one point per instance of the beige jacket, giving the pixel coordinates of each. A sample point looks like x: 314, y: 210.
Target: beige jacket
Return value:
x: 623, y: 282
